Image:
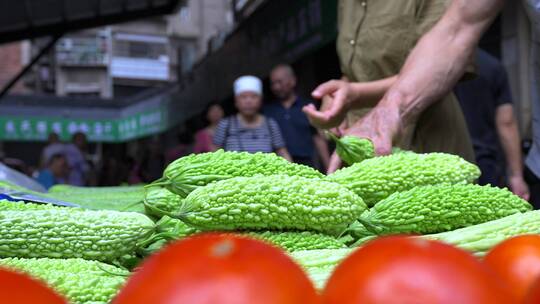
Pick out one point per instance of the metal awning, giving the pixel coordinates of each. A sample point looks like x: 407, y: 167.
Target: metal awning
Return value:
x: 23, y: 19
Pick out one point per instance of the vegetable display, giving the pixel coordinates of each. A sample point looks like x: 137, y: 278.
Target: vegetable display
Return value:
x: 287, y: 240
x: 235, y: 227
x: 159, y: 200
x: 272, y: 202
x: 377, y: 178
x: 62, y: 233
x: 432, y: 209
x: 517, y: 262
x: 110, y: 198
x: 219, y: 268
x: 352, y: 149
x: 6, y: 205
x: 483, y: 237
x: 188, y: 173
x: 17, y: 287
x: 81, y: 281
x: 297, y: 241
x: 405, y: 270
x: 319, y: 264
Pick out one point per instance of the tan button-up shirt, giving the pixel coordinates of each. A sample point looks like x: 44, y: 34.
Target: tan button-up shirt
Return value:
x: 375, y: 37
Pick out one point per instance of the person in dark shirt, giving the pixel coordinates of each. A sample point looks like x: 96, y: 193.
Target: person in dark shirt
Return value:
x: 300, y: 137
x: 487, y: 104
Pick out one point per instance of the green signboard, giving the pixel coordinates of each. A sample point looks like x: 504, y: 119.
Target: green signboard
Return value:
x: 37, y: 128
x: 142, y: 124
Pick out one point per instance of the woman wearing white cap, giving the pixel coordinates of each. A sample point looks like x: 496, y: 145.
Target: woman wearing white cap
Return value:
x: 249, y: 130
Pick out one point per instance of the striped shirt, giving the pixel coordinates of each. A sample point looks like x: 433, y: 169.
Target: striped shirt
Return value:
x: 232, y: 135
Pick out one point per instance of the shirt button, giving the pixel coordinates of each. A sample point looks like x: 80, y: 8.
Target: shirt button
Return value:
x: 352, y: 42
x: 363, y: 3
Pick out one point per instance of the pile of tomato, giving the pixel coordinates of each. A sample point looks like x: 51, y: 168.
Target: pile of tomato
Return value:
x: 214, y: 268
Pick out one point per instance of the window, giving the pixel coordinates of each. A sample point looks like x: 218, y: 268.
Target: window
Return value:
x: 185, y: 14
x: 151, y: 48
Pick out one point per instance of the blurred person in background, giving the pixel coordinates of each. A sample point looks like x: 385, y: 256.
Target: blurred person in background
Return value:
x: 152, y: 163
x: 56, y: 171
x: 182, y: 148
x: 300, y: 137
x: 114, y: 171
x: 54, y: 146
x: 532, y: 161
x: 203, y: 138
x: 249, y: 130
x: 487, y: 104
x: 75, y: 153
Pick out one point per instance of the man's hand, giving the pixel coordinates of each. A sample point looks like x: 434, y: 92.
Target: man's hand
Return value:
x: 519, y: 187
x: 382, y: 126
x: 335, y: 108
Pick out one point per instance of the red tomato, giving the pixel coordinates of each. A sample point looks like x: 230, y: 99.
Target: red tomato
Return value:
x: 533, y: 294
x: 517, y: 262
x: 404, y: 270
x: 20, y: 288
x: 218, y: 268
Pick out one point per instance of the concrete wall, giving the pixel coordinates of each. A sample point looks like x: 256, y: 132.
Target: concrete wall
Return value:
x: 83, y: 80
x: 11, y: 63
x: 201, y: 20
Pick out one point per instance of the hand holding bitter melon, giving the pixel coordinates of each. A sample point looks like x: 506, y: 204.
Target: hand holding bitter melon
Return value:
x: 352, y: 149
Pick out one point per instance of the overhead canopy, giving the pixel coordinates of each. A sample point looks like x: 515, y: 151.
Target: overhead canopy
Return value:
x: 24, y: 19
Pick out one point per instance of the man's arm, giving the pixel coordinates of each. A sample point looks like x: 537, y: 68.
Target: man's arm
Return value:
x: 440, y: 57
x: 322, y: 149
x: 340, y: 96
x: 510, y: 142
x: 430, y: 71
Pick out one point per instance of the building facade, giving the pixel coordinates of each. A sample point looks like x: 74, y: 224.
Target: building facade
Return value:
x: 125, y: 59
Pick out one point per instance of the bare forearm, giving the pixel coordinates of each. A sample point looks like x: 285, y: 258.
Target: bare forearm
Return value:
x: 368, y: 94
x: 362, y: 94
x: 511, y: 146
x: 440, y: 57
x: 510, y: 142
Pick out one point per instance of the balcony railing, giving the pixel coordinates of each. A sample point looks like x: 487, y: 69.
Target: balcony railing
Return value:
x: 140, y: 68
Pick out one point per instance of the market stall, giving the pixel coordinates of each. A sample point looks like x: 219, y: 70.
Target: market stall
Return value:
x: 237, y: 227
x: 332, y: 229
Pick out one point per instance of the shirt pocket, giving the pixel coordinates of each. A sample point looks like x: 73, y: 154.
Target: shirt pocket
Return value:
x: 386, y: 41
